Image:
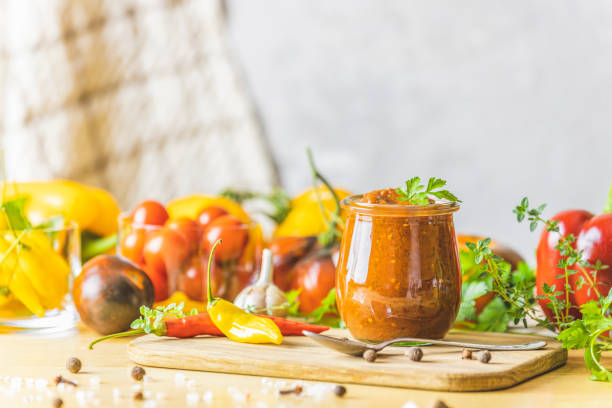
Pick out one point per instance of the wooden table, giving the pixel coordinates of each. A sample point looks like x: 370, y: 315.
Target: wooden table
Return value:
x: 28, y: 361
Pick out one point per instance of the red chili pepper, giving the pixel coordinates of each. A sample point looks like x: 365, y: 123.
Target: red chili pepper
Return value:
x: 201, y: 324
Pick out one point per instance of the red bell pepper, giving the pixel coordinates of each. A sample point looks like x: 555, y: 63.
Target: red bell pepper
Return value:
x: 594, y: 237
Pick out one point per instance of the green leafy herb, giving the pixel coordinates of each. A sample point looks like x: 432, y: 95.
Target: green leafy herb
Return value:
x: 417, y: 194
x: 14, y: 211
x: 278, y: 199
x: 326, y: 314
x: 470, y: 291
x: 150, y: 319
x: 293, y: 301
x: 587, y: 334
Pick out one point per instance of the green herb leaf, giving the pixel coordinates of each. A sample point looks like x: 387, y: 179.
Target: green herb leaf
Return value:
x: 470, y: 291
x: 417, y: 194
x: 15, y: 213
x: 293, y: 302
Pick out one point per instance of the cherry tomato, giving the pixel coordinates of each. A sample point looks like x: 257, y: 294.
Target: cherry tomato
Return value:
x: 149, y: 212
x: 132, y: 244
x: 210, y: 213
x: 165, y: 252
x: 286, y: 252
x: 234, y: 234
x: 315, y: 276
x: 188, y: 228
x: 192, y: 279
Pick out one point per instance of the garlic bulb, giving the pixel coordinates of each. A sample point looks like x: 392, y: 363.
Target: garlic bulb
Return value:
x: 263, y: 296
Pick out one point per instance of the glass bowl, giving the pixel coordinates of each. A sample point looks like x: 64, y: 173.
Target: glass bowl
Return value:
x: 37, y: 268
x: 177, y: 259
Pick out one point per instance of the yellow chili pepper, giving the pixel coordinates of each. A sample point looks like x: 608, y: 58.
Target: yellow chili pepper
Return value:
x: 237, y: 324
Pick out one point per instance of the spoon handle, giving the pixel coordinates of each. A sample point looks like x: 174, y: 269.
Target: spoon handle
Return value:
x: 526, y: 346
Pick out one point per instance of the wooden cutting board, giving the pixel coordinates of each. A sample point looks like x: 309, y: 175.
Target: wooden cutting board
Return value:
x: 299, y: 357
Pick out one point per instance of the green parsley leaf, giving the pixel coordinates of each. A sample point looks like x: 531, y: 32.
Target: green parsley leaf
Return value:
x: 417, y: 194
x: 470, y: 291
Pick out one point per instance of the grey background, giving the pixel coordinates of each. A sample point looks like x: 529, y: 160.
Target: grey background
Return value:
x: 501, y: 98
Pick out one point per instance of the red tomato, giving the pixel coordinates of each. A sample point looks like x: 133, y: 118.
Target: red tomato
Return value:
x: 208, y: 214
x: 165, y: 252
x: 570, y: 222
x: 192, y: 279
x: 149, y: 212
x: 315, y: 276
x: 234, y: 234
x: 188, y: 228
x: 595, y: 240
x: 132, y: 244
x: 286, y: 252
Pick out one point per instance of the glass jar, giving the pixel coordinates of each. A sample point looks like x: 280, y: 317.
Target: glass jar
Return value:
x: 181, y: 264
x: 37, y: 268
x: 398, y: 271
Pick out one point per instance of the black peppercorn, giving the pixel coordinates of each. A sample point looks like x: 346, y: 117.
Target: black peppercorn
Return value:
x: 138, y: 396
x: 439, y: 404
x: 58, y: 403
x: 340, y: 390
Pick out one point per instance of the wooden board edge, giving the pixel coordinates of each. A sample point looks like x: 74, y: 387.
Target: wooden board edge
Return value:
x: 449, y: 382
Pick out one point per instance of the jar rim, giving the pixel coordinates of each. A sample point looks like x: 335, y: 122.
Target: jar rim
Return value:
x: 441, y: 207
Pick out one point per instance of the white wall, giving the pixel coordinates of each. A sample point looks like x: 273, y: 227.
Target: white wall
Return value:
x: 501, y: 98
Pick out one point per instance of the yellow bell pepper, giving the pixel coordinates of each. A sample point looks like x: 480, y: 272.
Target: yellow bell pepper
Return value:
x: 237, y: 324
x: 191, y: 206
x: 305, y: 218
x: 33, y: 272
x: 91, y: 208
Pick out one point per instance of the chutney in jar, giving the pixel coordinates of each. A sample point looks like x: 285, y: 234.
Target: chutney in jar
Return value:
x: 398, y: 271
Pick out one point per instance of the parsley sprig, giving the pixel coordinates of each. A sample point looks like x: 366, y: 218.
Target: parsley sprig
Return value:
x: 150, y: 319
x: 417, y: 194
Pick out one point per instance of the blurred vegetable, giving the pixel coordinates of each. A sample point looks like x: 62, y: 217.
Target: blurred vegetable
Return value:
x: 149, y: 212
x: 191, y: 206
x: 263, y: 297
x: 286, y: 252
x: 305, y: 217
x: 278, y: 199
x: 109, y: 292
x: 208, y: 214
x: 234, y: 234
x: 165, y: 253
x: 314, y: 276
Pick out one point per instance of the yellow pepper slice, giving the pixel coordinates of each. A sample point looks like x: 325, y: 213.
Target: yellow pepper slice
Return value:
x: 237, y: 324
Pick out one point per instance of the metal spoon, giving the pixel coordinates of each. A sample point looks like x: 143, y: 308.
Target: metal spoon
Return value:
x: 355, y: 348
